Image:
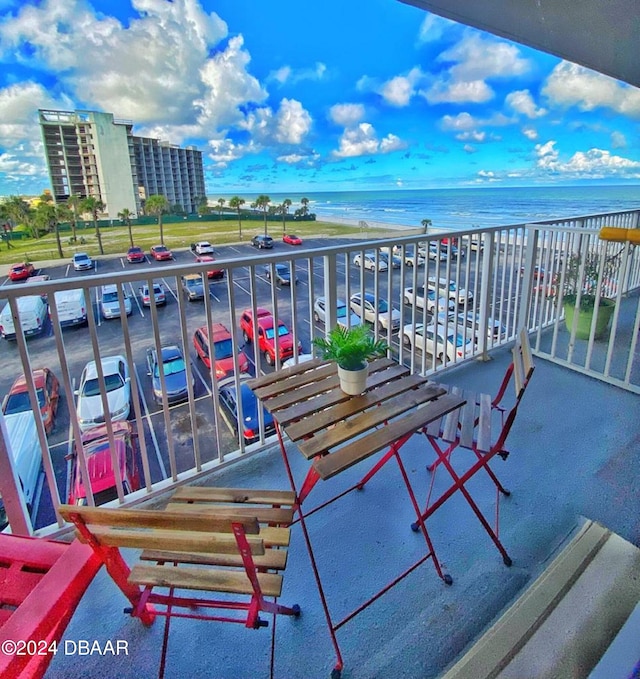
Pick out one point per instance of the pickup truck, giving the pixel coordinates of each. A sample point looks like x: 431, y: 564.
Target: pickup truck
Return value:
x: 202, y: 247
x: 267, y: 335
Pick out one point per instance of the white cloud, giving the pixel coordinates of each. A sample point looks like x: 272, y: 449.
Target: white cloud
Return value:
x: 398, y: 90
x: 286, y: 74
x: 346, y: 114
x: 461, y: 122
x: 362, y: 140
x: 308, y: 160
x: 292, y: 122
x: 474, y: 136
x: 433, y: 28
x: 618, y: 140
x: 522, y: 102
x: 594, y: 163
x: 530, y: 133
x: 573, y: 85
x: 476, y: 59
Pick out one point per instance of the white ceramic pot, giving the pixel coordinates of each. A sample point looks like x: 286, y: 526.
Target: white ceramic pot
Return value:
x: 353, y: 382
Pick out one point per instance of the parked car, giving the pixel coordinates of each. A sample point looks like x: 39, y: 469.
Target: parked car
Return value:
x: 81, y: 261
x: 374, y: 311
x: 302, y: 358
x: 411, y: 256
x: 161, y: 253
x: 222, y: 350
x: 262, y: 242
x: 267, y: 335
x: 71, y: 306
x: 214, y: 273
x: 47, y: 391
x: 539, y: 274
x: 438, y: 341
x: 433, y: 252
x: 396, y: 262
x: 110, y: 304
x: 202, y: 247
x: 292, y: 239
x: 33, y: 315
x: 118, y: 388
x: 282, y: 274
x: 449, y: 289
x: 41, y: 278
x: 21, y: 271
x: 158, y: 294
x: 102, y: 480
x: 136, y: 254
x: 193, y: 286
x: 228, y: 395
x: 471, y: 322
x: 369, y: 261
x: 419, y: 299
x: 344, y: 316
x: 175, y: 373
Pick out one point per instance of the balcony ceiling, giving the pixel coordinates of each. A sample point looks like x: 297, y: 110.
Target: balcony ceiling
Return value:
x: 602, y: 36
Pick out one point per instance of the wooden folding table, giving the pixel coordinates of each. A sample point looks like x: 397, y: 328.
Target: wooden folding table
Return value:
x: 336, y: 431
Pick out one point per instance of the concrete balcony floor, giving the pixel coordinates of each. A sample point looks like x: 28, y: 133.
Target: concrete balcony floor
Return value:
x: 574, y: 452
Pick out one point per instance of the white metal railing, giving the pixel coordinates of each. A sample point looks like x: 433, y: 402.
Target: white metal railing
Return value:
x: 496, y: 267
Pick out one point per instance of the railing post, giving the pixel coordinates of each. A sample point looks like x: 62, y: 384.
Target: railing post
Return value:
x: 12, y: 497
x: 330, y: 292
x: 530, y: 250
x: 488, y: 245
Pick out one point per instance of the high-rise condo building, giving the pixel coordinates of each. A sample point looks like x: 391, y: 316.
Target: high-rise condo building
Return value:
x: 92, y: 154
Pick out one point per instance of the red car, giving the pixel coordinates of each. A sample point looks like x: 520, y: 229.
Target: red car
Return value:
x: 292, y: 239
x: 95, y: 443
x: 161, y: 252
x: 217, y: 274
x: 22, y: 271
x: 222, y: 350
x: 267, y: 335
x: 135, y: 254
x: 47, y: 390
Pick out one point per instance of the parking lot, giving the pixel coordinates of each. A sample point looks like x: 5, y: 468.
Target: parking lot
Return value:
x: 163, y: 446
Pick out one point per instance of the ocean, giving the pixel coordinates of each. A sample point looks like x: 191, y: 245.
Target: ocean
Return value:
x: 465, y: 208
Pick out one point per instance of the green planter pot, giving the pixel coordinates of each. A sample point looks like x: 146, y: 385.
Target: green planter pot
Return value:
x: 605, y: 312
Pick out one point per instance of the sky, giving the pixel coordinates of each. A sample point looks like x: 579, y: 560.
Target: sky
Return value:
x: 289, y: 96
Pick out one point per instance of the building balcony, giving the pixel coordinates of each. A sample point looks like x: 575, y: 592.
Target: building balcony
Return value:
x: 572, y: 445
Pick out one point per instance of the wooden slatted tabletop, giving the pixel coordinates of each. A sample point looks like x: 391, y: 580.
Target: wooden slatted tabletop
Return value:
x: 337, y: 430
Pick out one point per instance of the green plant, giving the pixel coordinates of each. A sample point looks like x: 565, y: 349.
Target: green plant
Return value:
x: 350, y: 347
x: 583, y: 273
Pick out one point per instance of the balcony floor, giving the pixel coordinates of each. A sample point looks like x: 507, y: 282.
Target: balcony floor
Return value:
x: 574, y: 453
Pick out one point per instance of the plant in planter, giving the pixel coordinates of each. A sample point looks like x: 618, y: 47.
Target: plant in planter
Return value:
x: 351, y: 348
x: 581, y: 291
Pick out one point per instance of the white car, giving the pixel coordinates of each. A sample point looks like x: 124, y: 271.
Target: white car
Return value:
x: 433, y: 252
x: 375, y: 311
x: 438, y: 341
x: 302, y: 358
x: 471, y: 321
x: 343, y: 315
x: 369, y: 261
x: 203, y: 247
x: 419, y: 299
x: 396, y: 262
x: 118, y: 388
x: 449, y: 289
x: 110, y: 304
x: 81, y: 261
x: 411, y: 256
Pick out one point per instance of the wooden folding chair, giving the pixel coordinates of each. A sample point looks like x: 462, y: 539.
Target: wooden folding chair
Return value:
x: 223, y: 542
x: 471, y: 427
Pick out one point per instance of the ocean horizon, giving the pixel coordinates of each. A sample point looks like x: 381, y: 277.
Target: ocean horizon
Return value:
x: 462, y: 208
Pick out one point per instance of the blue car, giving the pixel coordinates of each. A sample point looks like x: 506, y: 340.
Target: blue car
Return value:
x: 175, y: 374
x: 228, y: 396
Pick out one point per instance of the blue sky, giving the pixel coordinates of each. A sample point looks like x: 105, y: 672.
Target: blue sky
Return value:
x: 287, y: 96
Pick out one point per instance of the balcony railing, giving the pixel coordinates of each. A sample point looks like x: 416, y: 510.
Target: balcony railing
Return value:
x: 471, y: 293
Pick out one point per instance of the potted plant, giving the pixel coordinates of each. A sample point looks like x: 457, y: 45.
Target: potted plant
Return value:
x: 580, y: 292
x: 351, y: 348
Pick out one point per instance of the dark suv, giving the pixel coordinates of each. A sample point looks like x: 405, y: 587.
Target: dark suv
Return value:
x: 261, y: 242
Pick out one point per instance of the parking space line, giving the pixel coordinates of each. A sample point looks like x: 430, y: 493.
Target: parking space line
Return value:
x: 152, y: 432
x: 169, y: 288
x: 199, y: 374
x: 133, y: 294
x: 241, y: 287
x: 211, y: 293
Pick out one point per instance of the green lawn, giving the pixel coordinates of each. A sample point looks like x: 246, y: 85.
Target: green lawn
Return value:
x: 115, y: 239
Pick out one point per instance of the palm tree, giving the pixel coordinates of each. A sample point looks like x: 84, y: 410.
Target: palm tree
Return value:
x: 93, y: 206
x: 19, y: 212
x: 305, y: 205
x: 262, y: 202
x: 73, y: 202
x: 426, y: 223
x: 284, y: 208
x: 125, y: 215
x: 156, y: 205
x: 63, y: 214
x: 221, y: 202
x: 6, y: 223
x: 236, y: 203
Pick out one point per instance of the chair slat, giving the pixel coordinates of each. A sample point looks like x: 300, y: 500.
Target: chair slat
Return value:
x: 272, y: 559
x: 285, y: 498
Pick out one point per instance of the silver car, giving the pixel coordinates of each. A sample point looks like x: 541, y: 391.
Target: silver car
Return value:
x: 375, y: 311
x: 344, y: 317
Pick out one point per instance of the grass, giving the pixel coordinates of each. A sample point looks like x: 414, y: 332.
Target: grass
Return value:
x: 115, y: 239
